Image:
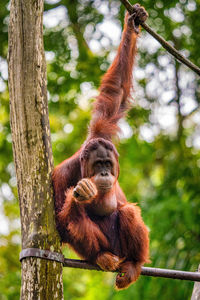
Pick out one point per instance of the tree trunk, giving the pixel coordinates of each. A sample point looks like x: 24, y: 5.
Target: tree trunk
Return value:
x: 196, y: 290
x: 41, y: 278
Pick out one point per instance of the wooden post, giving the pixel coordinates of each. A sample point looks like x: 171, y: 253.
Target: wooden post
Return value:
x: 196, y: 290
x: 41, y: 278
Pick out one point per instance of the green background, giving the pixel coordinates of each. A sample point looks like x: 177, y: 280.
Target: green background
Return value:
x: 159, y: 150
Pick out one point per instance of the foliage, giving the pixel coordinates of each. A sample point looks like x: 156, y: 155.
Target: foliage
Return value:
x: 159, y: 150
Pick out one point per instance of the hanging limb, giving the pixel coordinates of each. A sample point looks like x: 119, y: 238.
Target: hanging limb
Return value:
x: 174, y: 274
x: 165, y: 44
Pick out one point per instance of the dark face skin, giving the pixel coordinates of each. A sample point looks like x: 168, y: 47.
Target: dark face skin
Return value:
x: 103, y: 168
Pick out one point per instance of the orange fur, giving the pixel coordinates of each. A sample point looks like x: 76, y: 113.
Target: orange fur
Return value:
x: 118, y: 240
x: 129, y: 273
x: 112, y: 102
x: 108, y: 261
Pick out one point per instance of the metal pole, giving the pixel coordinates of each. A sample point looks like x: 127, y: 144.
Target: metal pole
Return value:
x: 156, y: 272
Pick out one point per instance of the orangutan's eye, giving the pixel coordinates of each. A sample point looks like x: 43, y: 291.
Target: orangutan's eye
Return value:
x: 108, y: 164
x: 98, y: 164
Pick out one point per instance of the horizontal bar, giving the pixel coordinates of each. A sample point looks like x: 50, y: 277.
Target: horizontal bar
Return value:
x: 156, y: 272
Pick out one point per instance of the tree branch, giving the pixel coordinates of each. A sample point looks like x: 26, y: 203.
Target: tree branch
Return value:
x: 165, y: 44
x: 156, y: 272
x: 193, y: 111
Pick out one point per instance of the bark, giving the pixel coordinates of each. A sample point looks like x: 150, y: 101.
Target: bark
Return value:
x: 41, y: 279
x: 178, y: 97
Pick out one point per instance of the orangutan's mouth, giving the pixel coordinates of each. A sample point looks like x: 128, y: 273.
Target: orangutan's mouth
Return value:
x: 105, y: 187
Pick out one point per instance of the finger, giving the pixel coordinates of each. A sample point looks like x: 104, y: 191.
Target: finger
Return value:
x: 142, y: 14
x: 85, y: 187
x: 136, y: 6
x: 91, y: 186
x: 81, y: 192
x: 87, y: 182
x: 75, y: 194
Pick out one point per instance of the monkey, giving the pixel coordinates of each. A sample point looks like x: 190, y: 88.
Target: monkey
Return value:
x: 92, y: 213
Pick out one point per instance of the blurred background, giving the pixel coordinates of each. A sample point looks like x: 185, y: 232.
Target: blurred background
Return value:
x: 159, y: 144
